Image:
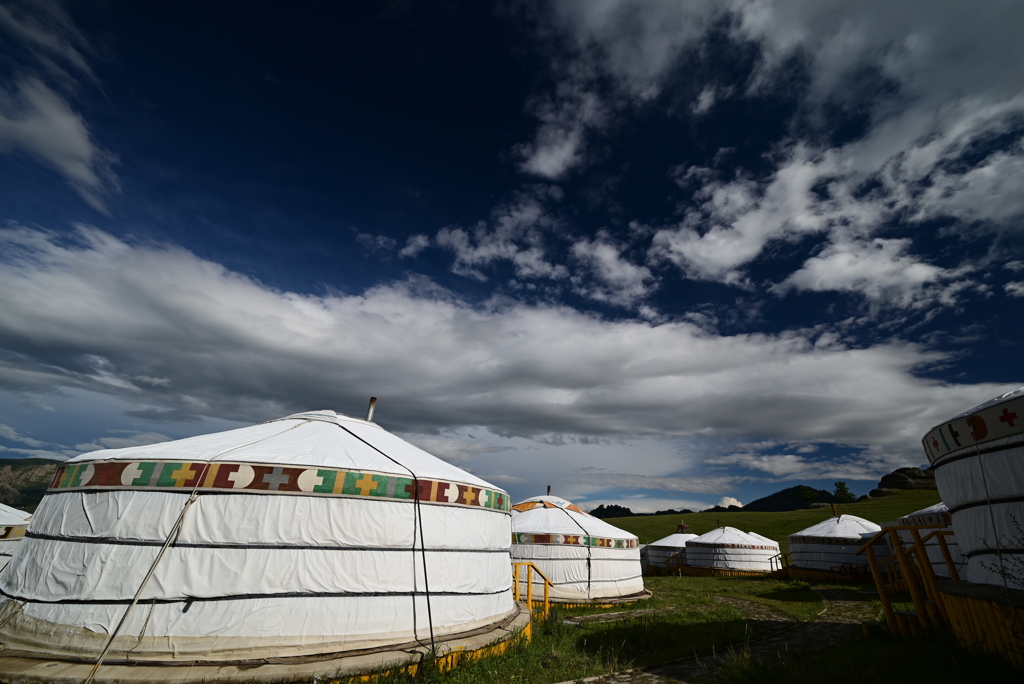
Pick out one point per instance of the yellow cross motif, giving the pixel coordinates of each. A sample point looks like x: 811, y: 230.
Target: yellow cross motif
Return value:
x: 469, y: 497
x: 366, y: 485
x: 183, y: 474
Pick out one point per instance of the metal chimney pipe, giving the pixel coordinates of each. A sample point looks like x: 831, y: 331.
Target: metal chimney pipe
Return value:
x: 549, y: 490
x: 369, y: 411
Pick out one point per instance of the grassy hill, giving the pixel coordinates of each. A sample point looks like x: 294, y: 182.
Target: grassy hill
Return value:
x: 779, y: 525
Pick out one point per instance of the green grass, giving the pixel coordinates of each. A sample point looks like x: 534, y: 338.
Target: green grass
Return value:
x: 935, y: 660
x: 778, y: 526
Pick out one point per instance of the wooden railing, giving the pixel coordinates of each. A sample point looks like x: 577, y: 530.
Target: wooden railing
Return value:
x: 910, y: 570
x: 545, y: 606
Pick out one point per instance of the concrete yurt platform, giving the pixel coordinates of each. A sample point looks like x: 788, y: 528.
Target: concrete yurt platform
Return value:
x: 22, y: 667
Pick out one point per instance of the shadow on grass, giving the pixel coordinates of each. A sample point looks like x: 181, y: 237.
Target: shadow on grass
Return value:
x: 793, y: 595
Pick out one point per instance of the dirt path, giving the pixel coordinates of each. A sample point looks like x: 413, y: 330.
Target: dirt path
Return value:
x: 772, y: 634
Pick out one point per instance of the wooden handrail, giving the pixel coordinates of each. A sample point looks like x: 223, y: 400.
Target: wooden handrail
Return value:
x: 885, y: 531
x: 530, y: 569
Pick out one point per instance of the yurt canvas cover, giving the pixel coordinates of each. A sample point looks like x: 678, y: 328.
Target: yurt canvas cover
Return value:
x: 977, y: 459
x: 13, y: 524
x: 935, y: 515
x: 316, y: 533
x: 659, y: 552
x: 728, y: 548
x: 832, y: 543
x: 583, y: 556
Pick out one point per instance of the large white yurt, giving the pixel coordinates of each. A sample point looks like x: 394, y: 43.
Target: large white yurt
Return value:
x: 978, y: 459
x: 727, y: 548
x: 935, y: 515
x: 833, y: 543
x: 312, y: 534
x: 673, y: 546
x: 13, y: 524
x: 584, y: 557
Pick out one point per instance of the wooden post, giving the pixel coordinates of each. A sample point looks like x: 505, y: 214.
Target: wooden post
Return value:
x: 883, y: 593
x: 529, y: 587
x: 834, y: 513
x: 515, y: 581
x: 950, y: 565
x: 928, y: 573
x: 908, y: 577
x: 547, y: 598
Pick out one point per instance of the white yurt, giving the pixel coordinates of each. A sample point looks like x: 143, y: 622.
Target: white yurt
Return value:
x: 977, y: 457
x: 308, y: 535
x: 584, y: 557
x: 13, y: 524
x: 673, y: 546
x: 935, y: 515
x: 833, y: 543
x: 727, y: 548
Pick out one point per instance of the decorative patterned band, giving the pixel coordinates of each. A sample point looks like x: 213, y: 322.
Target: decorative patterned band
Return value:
x: 943, y: 518
x: 1005, y: 419
x: 13, y: 531
x: 712, y: 545
x: 253, y: 478
x: 573, y: 540
x: 834, y: 541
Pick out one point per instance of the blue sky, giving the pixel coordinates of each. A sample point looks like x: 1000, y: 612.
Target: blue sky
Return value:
x: 656, y: 254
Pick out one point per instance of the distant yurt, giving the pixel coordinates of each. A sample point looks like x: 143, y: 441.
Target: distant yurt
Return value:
x: 977, y: 457
x: 672, y: 546
x: 584, y: 557
x: 727, y: 548
x: 13, y: 524
x: 832, y: 543
x: 309, y: 535
x: 935, y: 515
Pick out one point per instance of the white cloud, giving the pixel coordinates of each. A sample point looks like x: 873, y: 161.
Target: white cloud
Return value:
x: 34, y: 453
x: 7, y: 432
x: 236, y: 349
x: 131, y: 440
x: 881, y: 270
x: 376, y: 243
x: 413, y: 246
x: 726, y: 501
x: 618, y: 281
x: 1014, y: 289
x: 37, y: 121
x: 516, y: 233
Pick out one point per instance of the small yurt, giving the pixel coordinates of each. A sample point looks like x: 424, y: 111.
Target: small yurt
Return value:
x: 935, y: 515
x: 584, y: 557
x: 727, y: 548
x: 13, y: 524
x: 833, y: 543
x: 309, y: 535
x: 672, y: 546
x: 977, y: 457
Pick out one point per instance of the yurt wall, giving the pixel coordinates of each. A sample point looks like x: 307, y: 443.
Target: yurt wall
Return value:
x: 670, y: 547
x: 977, y: 458
x: 832, y: 543
x: 13, y: 525
x: 316, y: 533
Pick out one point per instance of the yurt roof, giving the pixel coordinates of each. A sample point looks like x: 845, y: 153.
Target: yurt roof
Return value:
x: 848, y: 527
x: 933, y: 515
x: 999, y: 418
x: 730, y: 536
x: 554, y: 515
x: 12, y: 516
x: 676, y: 539
x: 313, y: 438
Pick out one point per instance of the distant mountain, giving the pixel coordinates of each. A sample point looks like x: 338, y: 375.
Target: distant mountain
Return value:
x: 23, y: 481
x: 792, y: 499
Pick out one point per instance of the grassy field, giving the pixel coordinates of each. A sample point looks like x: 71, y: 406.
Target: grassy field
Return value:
x: 778, y: 526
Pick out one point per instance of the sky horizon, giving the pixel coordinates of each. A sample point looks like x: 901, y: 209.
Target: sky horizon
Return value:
x: 652, y: 254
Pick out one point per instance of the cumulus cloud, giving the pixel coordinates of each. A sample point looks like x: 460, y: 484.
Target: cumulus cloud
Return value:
x: 517, y: 233
x: 1014, y: 289
x: 94, y: 312
x: 616, y: 280
x: 726, y: 501
x: 881, y: 270
x: 413, y: 246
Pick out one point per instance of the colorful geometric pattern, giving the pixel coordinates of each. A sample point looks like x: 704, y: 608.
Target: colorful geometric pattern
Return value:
x: 530, y: 505
x: 13, y: 531
x: 999, y: 421
x: 573, y: 540
x: 257, y: 478
x: 730, y: 546
x: 940, y: 518
x: 838, y: 541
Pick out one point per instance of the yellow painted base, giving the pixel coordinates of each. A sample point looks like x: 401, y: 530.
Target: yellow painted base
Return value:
x: 808, y: 574
x: 987, y: 625
x: 690, y: 571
